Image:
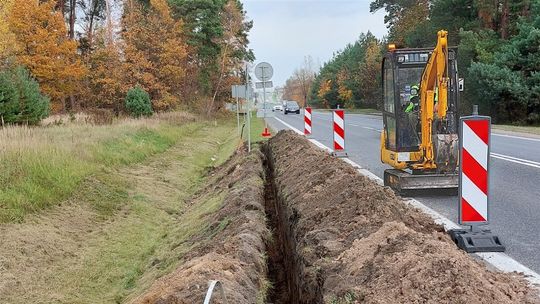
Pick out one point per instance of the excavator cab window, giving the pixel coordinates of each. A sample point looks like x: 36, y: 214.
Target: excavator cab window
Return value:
x: 389, y: 118
x: 402, y: 75
x: 408, y: 118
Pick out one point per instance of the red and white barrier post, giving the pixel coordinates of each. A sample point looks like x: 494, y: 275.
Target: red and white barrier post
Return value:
x: 339, y: 133
x: 307, y: 121
x: 475, y: 140
x: 474, y: 179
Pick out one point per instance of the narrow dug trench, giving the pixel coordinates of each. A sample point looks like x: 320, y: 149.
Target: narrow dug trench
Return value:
x: 284, y: 267
x: 299, y: 226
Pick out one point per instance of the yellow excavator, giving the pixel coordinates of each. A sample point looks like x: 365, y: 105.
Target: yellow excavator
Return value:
x: 420, y: 116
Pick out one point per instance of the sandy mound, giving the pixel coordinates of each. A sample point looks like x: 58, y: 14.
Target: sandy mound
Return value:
x: 356, y: 242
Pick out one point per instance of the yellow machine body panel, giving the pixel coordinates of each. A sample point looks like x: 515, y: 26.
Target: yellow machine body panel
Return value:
x: 420, y: 110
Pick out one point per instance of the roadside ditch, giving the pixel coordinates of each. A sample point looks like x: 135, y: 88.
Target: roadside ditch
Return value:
x: 304, y: 227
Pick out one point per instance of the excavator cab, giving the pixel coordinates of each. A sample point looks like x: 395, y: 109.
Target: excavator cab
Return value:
x: 401, y: 139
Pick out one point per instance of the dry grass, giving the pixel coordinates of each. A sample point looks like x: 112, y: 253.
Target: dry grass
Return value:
x: 74, y: 254
x: 520, y: 129
x: 43, y: 165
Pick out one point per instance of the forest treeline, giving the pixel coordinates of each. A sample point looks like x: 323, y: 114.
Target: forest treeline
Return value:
x: 498, y: 53
x: 65, y: 56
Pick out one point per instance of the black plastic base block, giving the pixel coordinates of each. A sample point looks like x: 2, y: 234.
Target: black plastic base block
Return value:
x: 340, y: 154
x: 481, y: 241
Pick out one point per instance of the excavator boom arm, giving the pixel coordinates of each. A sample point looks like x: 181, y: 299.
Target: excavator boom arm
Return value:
x: 434, y: 81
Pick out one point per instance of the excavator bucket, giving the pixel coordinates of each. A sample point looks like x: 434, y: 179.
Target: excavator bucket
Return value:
x: 446, y: 149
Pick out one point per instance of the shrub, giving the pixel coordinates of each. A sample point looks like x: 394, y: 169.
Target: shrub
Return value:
x: 138, y: 102
x: 20, y: 98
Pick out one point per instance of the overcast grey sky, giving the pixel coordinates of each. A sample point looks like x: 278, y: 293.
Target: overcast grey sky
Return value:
x: 286, y: 31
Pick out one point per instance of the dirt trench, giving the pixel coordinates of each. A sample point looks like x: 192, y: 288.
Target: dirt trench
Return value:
x: 304, y: 227
x: 283, y: 260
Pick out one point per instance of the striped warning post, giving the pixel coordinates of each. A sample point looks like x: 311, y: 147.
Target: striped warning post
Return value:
x: 474, y: 165
x: 339, y: 130
x: 307, y: 121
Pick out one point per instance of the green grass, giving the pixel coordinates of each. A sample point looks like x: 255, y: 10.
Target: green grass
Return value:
x: 257, y: 128
x: 31, y: 182
x: 144, y: 227
x: 521, y: 129
x: 136, y: 146
x: 41, y: 167
x: 151, y: 241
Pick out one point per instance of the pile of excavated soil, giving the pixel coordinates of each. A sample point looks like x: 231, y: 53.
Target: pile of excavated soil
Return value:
x: 234, y: 250
x: 356, y: 242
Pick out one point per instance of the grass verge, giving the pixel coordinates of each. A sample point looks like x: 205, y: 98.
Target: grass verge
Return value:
x: 257, y: 128
x: 129, y: 224
x: 520, y: 129
x: 43, y: 166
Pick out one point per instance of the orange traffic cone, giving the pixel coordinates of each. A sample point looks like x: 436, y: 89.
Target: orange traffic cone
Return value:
x: 266, y: 133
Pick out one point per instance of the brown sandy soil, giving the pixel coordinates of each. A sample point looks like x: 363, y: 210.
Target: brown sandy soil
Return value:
x: 233, y: 251
x: 356, y: 242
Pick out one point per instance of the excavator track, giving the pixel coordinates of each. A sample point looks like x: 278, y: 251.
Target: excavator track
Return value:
x: 406, y: 184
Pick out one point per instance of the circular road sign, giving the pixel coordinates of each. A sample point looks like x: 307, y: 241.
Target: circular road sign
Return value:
x: 264, y: 71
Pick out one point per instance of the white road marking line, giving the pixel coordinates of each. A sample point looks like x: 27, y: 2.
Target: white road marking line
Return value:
x: 353, y: 125
x: 372, y: 129
x: 500, y: 261
x: 289, y: 126
x: 517, y: 137
x: 516, y: 160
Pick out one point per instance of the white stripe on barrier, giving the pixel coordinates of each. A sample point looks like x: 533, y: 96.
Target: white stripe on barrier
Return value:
x: 499, y: 260
x: 474, y: 196
x: 476, y: 147
x: 339, y: 121
x: 339, y: 140
x: 308, y: 115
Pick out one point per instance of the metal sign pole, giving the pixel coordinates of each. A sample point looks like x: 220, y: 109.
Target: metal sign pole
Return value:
x: 264, y: 96
x: 248, y: 100
x: 238, y: 115
x: 264, y: 72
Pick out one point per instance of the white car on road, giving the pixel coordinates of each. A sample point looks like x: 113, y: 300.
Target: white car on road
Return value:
x: 277, y: 108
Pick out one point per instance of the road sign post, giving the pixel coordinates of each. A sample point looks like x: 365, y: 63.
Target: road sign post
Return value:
x: 248, y: 100
x: 339, y: 133
x: 264, y: 72
x: 474, y: 151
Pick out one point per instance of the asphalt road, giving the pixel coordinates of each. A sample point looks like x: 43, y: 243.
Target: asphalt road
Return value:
x: 514, y: 178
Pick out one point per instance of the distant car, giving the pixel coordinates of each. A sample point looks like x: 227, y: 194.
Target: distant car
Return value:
x: 291, y: 107
x: 277, y: 108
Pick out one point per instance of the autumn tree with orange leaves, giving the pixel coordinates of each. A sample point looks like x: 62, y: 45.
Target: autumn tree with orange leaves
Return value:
x: 7, y: 39
x: 155, y: 52
x: 87, y: 54
x: 45, y: 49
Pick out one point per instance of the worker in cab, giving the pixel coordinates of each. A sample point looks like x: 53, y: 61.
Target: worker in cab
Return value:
x: 414, y: 100
x: 408, y: 135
